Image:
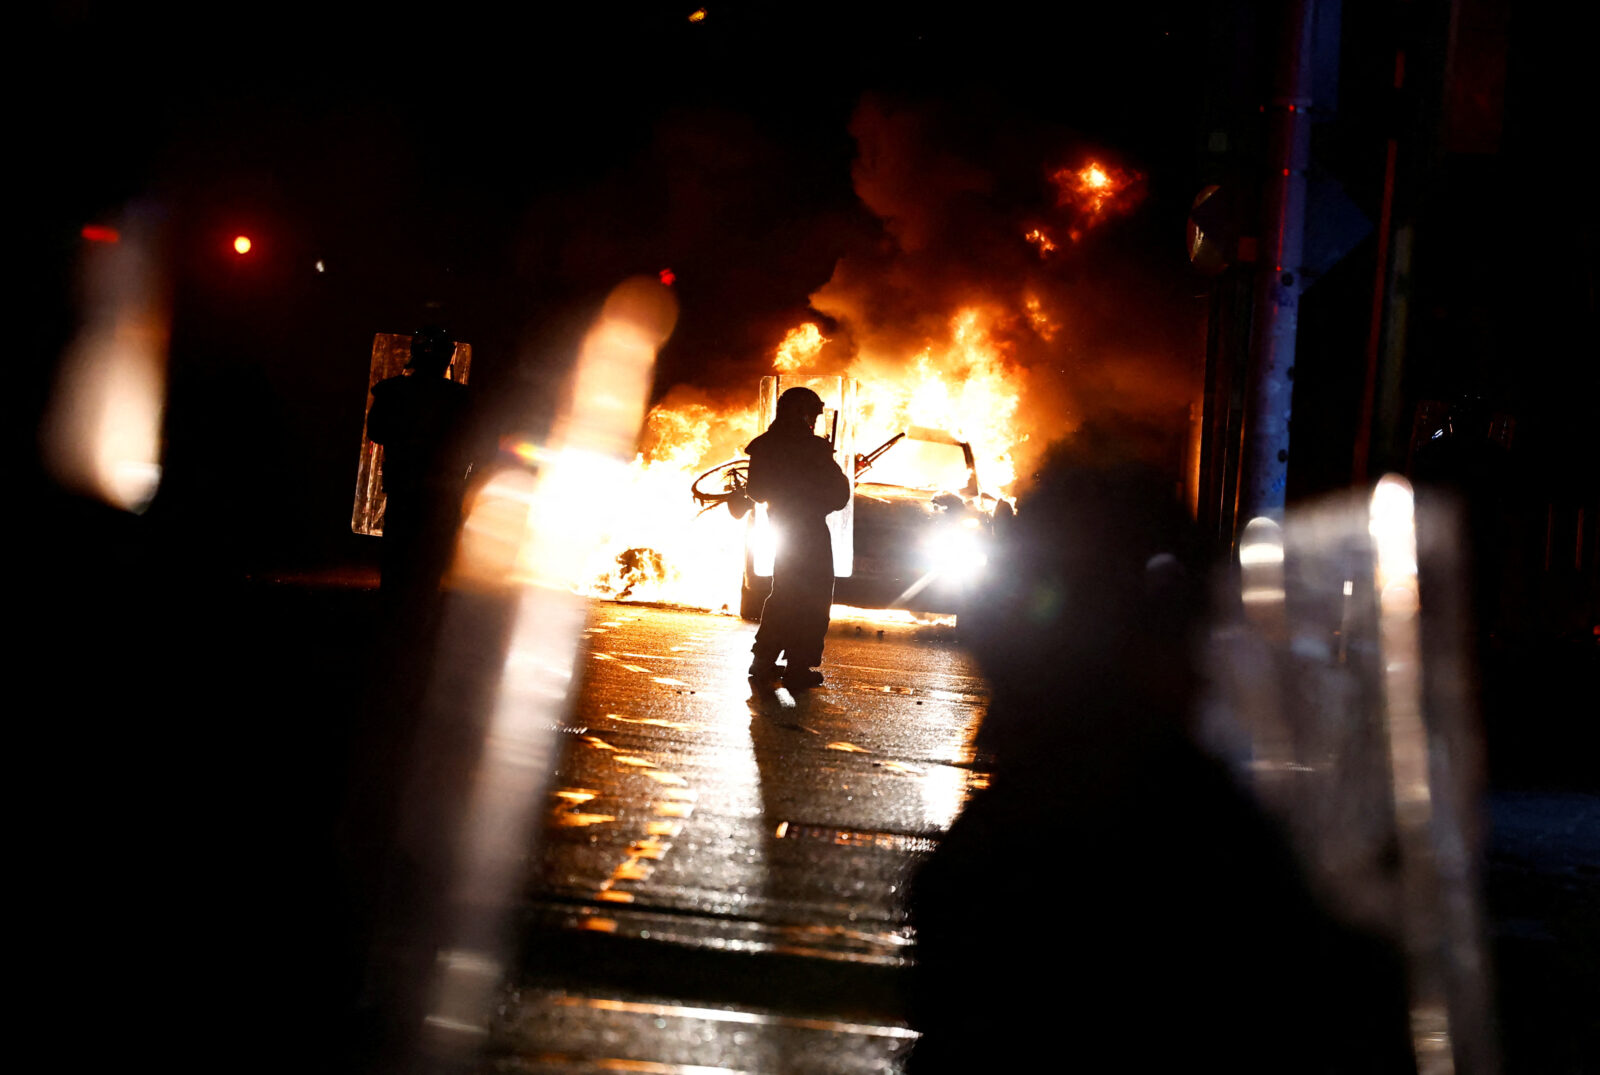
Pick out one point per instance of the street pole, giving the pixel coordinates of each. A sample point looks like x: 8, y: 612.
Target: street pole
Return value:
x: 1278, y: 276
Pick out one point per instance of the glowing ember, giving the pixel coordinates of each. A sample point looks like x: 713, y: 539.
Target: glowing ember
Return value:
x: 1041, y: 238
x: 799, y: 349
x: 1095, y: 187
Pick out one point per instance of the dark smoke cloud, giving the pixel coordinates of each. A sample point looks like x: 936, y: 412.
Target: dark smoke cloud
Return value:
x: 764, y: 235
x: 954, y: 191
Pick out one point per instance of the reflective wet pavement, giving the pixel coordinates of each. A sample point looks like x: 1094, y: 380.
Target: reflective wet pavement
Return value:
x: 721, y: 881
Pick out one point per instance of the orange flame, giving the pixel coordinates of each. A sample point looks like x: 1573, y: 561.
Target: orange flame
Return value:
x: 963, y: 384
x: 959, y: 376
x: 799, y: 349
x: 961, y: 381
x: 1039, y: 318
x: 1041, y: 238
x: 1095, y: 187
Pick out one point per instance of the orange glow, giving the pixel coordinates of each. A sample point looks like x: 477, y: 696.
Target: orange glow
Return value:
x: 526, y: 451
x: 1040, y: 318
x: 1091, y: 190
x: 1040, y: 238
x: 241, y: 244
x: 961, y: 380
x: 699, y: 15
x: 799, y: 349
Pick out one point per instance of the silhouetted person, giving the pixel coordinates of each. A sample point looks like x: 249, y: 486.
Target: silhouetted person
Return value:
x: 792, y: 471
x: 422, y: 420
x: 1113, y: 901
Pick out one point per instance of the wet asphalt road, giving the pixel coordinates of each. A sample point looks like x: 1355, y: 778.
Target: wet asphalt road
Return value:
x: 721, y: 881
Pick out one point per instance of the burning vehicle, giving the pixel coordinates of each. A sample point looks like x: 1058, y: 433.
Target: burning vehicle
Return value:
x: 924, y: 525
x: 955, y: 373
x: 918, y: 533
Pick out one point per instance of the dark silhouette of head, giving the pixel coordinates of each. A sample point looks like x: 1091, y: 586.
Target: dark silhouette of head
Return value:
x: 798, y: 407
x: 1099, y: 594
x: 431, y: 351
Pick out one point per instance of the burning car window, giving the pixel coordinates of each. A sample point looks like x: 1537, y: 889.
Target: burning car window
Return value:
x: 920, y: 464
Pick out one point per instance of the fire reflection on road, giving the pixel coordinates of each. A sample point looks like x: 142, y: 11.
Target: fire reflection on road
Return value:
x: 702, y: 818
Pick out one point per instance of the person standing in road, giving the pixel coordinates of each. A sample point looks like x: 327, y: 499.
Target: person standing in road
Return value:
x: 422, y: 419
x: 792, y: 471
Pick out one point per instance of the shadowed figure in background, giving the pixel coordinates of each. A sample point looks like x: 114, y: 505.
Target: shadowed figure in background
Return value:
x: 422, y: 419
x: 1113, y: 900
x: 425, y: 423
x: 793, y: 472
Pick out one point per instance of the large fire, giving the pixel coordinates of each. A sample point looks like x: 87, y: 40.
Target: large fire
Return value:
x: 961, y: 375
x: 663, y: 548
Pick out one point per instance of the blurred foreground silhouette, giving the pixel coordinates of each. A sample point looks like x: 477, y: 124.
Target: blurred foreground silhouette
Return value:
x: 1168, y: 923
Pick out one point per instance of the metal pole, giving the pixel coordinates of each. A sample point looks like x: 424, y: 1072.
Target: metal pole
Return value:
x: 1380, y: 289
x: 1278, y: 279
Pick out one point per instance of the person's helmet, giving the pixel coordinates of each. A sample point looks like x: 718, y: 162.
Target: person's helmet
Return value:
x: 432, y: 347
x: 802, y: 403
